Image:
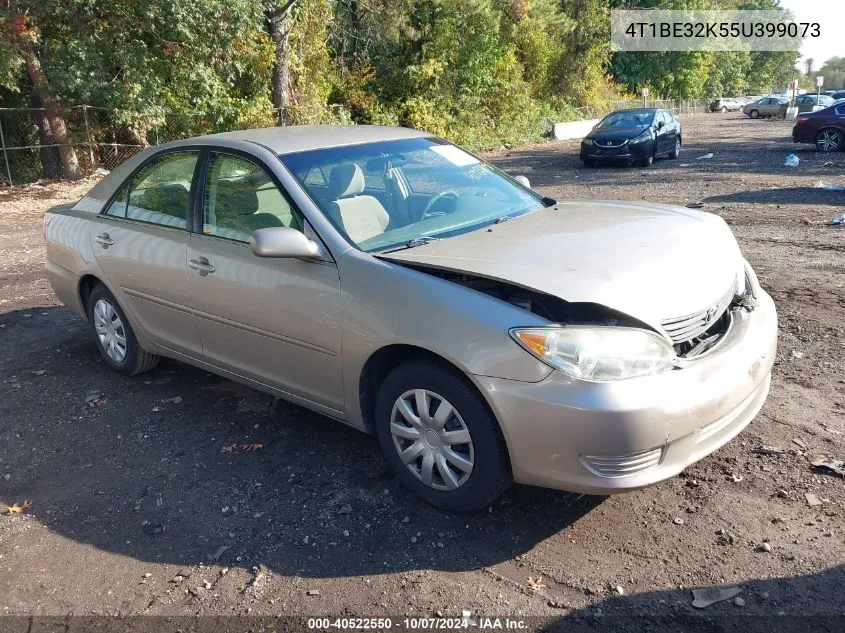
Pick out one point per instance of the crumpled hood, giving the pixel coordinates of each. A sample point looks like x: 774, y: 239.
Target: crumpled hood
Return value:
x: 652, y: 262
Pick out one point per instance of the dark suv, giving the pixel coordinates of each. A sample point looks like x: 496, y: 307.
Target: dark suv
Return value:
x: 825, y: 128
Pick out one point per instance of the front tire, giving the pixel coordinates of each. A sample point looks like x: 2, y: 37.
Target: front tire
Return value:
x: 114, y: 337
x: 829, y: 140
x: 754, y: 114
x: 677, y: 151
x: 440, y: 438
x: 647, y: 161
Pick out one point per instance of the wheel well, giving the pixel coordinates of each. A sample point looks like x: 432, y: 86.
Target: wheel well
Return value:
x: 381, y: 363
x: 86, y: 285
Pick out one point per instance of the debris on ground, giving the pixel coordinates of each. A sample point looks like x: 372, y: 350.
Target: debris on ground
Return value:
x: 800, y: 443
x: 812, y: 500
x: 535, y: 584
x: 220, y: 551
x: 835, y: 466
x: 838, y: 219
x: 694, y: 205
x: 251, y: 448
x: 15, y: 508
x: 95, y: 399
x: 739, y: 602
x: 707, y: 156
x: 830, y: 186
x: 703, y: 598
x: 678, y: 521
x: 791, y: 161
x: 765, y: 547
x: 312, y: 592
x: 765, y: 449
x: 173, y: 400
x: 152, y: 529
x: 229, y: 448
x: 346, y: 509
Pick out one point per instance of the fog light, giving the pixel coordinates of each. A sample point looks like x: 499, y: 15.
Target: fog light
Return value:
x: 623, y: 464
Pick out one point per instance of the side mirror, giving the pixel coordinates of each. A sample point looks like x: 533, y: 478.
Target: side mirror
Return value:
x: 279, y: 241
x: 660, y: 125
x: 522, y: 180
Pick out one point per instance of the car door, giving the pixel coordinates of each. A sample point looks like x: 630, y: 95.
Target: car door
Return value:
x: 140, y: 242
x: 662, y: 133
x: 273, y: 320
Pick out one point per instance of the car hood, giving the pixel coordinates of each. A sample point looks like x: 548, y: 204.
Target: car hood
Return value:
x: 616, y: 134
x: 652, y: 262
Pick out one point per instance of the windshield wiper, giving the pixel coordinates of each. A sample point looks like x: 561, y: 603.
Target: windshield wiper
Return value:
x: 417, y: 241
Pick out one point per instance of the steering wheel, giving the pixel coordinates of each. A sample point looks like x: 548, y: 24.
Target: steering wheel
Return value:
x: 443, y: 195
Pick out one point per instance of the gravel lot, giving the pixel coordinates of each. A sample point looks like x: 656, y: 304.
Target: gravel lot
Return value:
x: 136, y: 509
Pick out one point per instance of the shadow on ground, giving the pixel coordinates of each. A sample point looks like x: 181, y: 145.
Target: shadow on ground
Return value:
x: 760, y: 609
x: 135, y: 473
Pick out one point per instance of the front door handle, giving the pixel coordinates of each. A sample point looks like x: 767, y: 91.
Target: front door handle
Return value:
x: 201, y: 265
x: 104, y: 240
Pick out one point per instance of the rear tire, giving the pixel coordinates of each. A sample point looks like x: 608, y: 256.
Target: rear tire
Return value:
x: 114, y: 336
x: 829, y: 140
x: 401, y: 428
x: 754, y: 114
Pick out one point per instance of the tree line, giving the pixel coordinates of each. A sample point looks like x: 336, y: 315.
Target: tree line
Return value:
x: 482, y: 72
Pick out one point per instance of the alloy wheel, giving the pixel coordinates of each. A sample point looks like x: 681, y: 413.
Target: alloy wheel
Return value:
x: 829, y: 140
x: 110, y: 330
x: 432, y: 439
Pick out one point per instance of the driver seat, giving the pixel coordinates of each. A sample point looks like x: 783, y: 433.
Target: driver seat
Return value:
x: 362, y: 217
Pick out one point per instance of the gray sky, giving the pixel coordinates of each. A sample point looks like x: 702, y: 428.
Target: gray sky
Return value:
x: 830, y: 14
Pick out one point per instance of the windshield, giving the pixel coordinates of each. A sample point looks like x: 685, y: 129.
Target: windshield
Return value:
x: 627, y: 120
x: 386, y: 194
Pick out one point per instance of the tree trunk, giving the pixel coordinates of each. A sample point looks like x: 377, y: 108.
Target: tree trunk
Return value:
x: 50, y: 165
x: 279, y: 23
x: 52, y: 109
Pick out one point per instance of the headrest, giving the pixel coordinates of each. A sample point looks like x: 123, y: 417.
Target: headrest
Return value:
x: 345, y: 180
x: 236, y: 198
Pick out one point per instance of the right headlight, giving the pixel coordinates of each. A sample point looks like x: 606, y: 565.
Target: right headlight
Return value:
x: 598, y: 353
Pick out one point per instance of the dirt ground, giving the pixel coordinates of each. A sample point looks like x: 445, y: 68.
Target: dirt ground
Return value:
x: 136, y: 510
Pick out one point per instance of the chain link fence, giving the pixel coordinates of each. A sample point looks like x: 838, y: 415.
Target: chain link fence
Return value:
x: 677, y: 107
x: 105, y: 137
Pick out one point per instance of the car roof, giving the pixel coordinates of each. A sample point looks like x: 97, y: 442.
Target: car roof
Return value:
x: 300, y: 138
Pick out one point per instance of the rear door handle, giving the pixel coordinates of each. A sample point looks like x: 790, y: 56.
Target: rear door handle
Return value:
x: 104, y: 240
x: 201, y: 265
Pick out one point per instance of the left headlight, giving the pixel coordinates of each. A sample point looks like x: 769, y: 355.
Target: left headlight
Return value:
x: 598, y: 353
x: 642, y: 138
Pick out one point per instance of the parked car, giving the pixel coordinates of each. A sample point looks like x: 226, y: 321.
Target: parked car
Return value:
x: 726, y: 104
x: 807, y: 103
x: 395, y: 282
x: 767, y: 107
x: 633, y: 137
x: 825, y: 128
x: 839, y: 94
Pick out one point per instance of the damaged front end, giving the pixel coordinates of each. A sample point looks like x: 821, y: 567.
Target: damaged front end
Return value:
x: 691, y: 336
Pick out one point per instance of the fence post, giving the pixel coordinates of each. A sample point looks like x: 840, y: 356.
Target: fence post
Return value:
x: 5, y: 153
x: 88, y: 136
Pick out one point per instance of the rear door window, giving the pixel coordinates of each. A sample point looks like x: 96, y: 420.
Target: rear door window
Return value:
x: 160, y: 192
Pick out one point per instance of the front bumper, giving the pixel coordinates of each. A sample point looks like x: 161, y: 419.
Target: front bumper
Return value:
x: 626, y: 152
x: 603, y: 438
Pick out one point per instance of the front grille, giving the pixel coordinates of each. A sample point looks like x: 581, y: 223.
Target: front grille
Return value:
x: 685, y: 328
x: 611, y: 143
x: 624, y: 464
